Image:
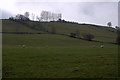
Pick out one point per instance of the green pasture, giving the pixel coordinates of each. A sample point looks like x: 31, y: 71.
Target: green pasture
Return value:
x: 100, y: 33
x: 57, y: 56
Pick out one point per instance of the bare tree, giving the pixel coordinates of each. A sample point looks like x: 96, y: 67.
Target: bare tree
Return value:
x: 33, y: 16
x: 49, y: 16
x: 27, y: 15
x: 43, y: 15
x: 52, y: 16
x: 38, y: 18
x: 109, y: 24
x: 60, y: 16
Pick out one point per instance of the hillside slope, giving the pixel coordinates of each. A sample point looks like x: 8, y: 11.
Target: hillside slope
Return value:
x: 48, y: 40
x: 57, y: 56
x: 12, y: 26
x: 101, y: 33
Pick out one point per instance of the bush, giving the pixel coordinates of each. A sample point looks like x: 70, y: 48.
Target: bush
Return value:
x: 73, y: 35
x: 88, y: 37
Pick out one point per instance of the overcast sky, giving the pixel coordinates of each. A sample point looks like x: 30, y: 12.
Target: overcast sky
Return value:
x: 94, y: 12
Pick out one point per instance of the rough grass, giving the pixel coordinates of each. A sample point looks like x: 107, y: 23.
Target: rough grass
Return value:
x: 55, y: 56
x: 59, y: 63
x: 101, y: 33
x: 12, y: 26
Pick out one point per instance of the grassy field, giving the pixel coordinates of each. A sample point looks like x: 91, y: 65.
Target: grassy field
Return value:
x: 101, y: 33
x: 56, y: 56
x: 12, y: 26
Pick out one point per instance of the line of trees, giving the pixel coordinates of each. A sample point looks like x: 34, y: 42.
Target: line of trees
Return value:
x: 44, y: 16
x: 49, y: 16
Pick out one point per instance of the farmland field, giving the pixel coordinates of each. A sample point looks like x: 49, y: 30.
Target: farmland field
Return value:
x: 101, y: 33
x: 57, y: 56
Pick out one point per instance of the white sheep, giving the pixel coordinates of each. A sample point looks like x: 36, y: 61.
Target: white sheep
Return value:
x: 23, y: 46
x: 101, y: 46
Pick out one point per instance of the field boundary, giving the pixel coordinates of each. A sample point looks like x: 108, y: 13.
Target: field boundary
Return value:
x: 55, y: 34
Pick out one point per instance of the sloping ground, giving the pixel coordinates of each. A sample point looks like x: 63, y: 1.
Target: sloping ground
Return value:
x: 47, y: 40
x: 56, y: 56
x: 12, y: 26
x: 101, y: 33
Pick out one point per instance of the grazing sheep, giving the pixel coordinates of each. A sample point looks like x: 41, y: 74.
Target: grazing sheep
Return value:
x: 23, y: 46
x: 101, y: 46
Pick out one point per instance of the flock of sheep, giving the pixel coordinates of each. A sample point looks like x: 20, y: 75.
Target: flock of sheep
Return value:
x: 24, y: 46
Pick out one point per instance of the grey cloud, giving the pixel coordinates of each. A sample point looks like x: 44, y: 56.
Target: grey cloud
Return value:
x: 92, y: 12
x: 89, y: 11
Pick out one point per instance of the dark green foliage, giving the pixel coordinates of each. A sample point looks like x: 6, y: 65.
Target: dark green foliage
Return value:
x: 73, y: 35
x: 88, y: 37
x: 64, y: 21
x: 11, y: 18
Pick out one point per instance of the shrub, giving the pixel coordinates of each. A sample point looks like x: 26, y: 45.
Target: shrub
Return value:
x: 88, y: 37
x: 72, y: 35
